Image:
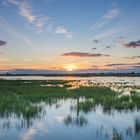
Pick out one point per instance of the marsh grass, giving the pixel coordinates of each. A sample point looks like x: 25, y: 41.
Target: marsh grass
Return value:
x: 21, y: 96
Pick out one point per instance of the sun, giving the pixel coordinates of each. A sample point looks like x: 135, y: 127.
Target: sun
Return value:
x: 70, y: 67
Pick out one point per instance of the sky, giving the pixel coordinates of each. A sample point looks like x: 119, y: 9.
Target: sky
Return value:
x: 70, y: 35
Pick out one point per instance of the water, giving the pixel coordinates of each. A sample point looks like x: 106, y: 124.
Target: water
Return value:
x: 59, y: 121
x: 134, y: 80
x: 62, y: 119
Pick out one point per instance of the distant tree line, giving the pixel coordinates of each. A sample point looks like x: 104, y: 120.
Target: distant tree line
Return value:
x: 133, y: 74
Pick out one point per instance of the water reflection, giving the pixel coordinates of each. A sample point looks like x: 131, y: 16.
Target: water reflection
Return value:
x: 112, y: 135
x: 76, y: 117
x: 79, y: 121
x: 137, y: 124
x: 125, y: 88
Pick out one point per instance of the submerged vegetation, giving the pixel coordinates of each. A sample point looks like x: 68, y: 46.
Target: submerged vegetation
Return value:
x: 23, y: 98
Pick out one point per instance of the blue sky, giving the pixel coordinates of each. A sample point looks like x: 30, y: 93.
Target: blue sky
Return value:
x: 70, y: 35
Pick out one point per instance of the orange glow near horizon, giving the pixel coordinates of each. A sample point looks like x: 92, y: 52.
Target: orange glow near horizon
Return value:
x: 70, y: 67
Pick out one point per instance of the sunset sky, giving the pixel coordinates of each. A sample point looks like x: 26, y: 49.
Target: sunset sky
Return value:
x: 70, y: 35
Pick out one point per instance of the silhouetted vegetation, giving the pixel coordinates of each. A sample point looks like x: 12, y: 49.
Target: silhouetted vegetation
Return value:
x: 129, y: 74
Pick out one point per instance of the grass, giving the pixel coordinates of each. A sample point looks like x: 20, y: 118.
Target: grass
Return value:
x: 21, y: 97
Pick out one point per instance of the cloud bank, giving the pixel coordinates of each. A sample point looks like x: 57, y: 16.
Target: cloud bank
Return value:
x: 84, y: 54
x: 123, y: 64
x: 132, y: 44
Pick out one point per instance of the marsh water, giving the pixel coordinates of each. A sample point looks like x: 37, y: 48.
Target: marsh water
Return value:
x: 64, y: 119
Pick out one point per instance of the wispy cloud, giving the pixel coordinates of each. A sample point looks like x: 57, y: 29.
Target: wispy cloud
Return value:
x: 116, y: 64
x: 63, y: 31
x: 132, y: 44
x: 42, y: 23
x: 84, y: 54
x: 122, y: 64
x: 25, y: 10
x: 132, y: 57
x: 115, y: 30
x: 113, y: 13
x: 106, y: 18
x: 2, y: 42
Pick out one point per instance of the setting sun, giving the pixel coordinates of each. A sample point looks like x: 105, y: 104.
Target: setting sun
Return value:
x: 70, y: 67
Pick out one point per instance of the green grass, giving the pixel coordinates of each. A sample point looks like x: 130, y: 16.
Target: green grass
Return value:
x: 20, y: 97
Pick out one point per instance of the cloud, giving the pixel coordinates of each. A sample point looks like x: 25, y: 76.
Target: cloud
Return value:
x: 2, y: 42
x: 137, y: 66
x: 122, y: 64
x: 111, y: 14
x: 95, y: 41
x: 108, y: 47
x: 116, y: 64
x: 84, y: 54
x: 132, y: 57
x: 94, y: 48
x: 132, y: 44
x: 106, y: 18
x: 25, y: 10
x: 63, y: 31
x: 121, y: 37
x: 40, y: 22
x: 13, y: 2
x: 113, y: 31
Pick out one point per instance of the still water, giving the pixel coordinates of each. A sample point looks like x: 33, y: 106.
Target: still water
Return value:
x: 60, y: 121
x: 63, y: 120
x: 135, y: 80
